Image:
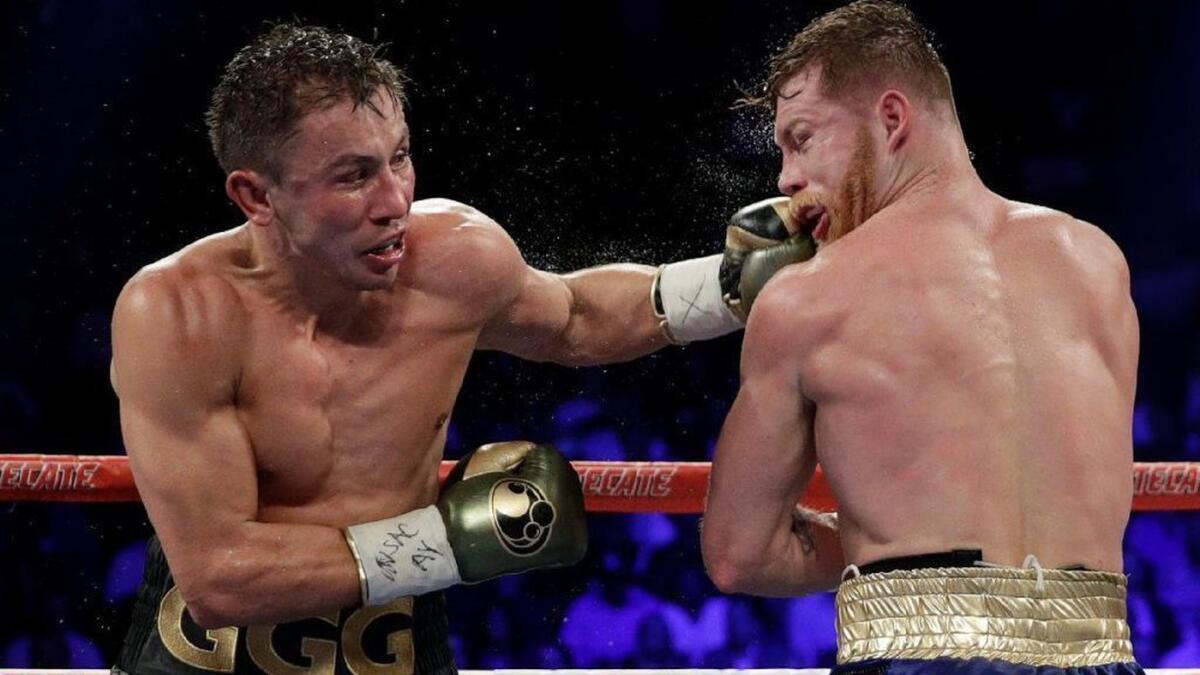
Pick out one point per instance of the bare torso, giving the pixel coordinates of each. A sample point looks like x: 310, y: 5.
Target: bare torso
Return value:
x: 972, y: 364
x: 347, y: 423
x: 266, y: 404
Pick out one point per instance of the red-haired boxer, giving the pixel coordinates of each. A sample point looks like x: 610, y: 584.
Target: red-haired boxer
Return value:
x: 961, y: 365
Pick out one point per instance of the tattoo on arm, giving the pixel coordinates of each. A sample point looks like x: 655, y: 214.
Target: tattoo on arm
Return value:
x: 803, y: 531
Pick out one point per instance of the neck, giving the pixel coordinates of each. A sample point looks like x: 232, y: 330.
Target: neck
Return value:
x: 932, y: 164
x: 297, y: 286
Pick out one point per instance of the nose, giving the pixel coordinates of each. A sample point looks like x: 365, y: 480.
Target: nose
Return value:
x: 393, y: 197
x: 791, y: 180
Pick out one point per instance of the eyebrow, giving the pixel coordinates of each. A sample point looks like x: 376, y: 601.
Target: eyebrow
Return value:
x: 790, y: 128
x: 348, y: 159
x: 354, y: 159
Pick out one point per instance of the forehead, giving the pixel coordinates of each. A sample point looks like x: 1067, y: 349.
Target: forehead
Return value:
x: 800, y: 98
x: 332, y: 127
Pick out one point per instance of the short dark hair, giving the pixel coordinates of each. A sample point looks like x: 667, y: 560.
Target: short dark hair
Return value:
x: 282, y: 75
x: 862, y: 42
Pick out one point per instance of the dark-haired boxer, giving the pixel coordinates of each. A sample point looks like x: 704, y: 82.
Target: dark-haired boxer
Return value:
x: 285, y: 385
x: 961, y: 365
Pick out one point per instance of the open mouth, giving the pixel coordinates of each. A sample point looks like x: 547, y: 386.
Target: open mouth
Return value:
x: 386, y: 255
x: 386, y: 248
x: 813, y: 220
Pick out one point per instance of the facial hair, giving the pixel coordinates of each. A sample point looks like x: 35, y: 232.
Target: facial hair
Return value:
x: 856, y: 200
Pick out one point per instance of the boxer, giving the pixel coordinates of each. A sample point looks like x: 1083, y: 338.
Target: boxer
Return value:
x: 961, y: 365
x: 285, y: 386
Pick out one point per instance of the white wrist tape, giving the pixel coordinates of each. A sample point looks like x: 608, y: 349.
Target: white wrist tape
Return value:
x: 693, y: 308
x: 408, y: 554
x: 827, y: 520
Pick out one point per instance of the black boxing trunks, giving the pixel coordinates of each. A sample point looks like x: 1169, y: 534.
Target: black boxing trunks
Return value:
x: 408, y: 636
x: 953, y: 613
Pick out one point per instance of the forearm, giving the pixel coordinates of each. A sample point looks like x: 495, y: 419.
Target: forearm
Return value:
x: 611, y: 316
x: 755, y: 539
x: 265, y: 573
x: 806, y: 557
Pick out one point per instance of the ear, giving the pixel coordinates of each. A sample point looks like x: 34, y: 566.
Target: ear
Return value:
x: 248, y: 189
x: 894, y: 111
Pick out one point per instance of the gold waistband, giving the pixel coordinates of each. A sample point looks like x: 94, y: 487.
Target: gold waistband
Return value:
x: 1076, y: 619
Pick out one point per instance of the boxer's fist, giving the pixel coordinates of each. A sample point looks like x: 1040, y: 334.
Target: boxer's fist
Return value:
x: 760, y: 240
x: 510, y: 507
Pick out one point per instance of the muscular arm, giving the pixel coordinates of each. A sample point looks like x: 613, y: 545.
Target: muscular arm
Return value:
x: 764, y: 461
x: 174, y: 369
x: 594, y: 316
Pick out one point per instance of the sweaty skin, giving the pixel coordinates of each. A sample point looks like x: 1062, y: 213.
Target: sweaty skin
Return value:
x: 962, y: 367
x: 276, y: 384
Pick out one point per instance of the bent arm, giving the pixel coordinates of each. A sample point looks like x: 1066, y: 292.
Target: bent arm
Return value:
x: 194, y: 467
x: 594, y: 316
x: 752, y: 540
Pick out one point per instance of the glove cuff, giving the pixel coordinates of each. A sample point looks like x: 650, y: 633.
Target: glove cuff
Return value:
x: 686, y: 296
x: 404, y: 555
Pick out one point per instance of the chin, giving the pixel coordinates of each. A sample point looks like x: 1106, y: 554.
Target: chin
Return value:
x: 379, y: 283
x: 365, y: 281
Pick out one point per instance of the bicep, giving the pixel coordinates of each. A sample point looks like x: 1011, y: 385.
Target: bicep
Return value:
x: 190, y: 456
x: 534, y: 320
x: 523, y: 310
x: 765, y: 454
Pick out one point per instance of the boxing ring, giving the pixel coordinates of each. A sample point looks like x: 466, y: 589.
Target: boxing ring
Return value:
x: 522, y: 671
x: 609, y: 487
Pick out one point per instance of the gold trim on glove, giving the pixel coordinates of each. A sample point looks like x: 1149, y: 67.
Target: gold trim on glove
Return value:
x: 358, y: 565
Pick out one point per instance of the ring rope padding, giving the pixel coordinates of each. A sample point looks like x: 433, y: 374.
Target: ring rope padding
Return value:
x: 534, y: 671
x: 608, y: 487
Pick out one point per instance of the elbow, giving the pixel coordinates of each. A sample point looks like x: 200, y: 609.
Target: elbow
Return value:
x: 209, y: 603
x: 209, y: 616
x: 576, y: 348
x: 576, y: 357
x: 727, y: 577
x: 580, y: 360
x: 583, y: 356
x: 729, y: 573
x: 213, y: 610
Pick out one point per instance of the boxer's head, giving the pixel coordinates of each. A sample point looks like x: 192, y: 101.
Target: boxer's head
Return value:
x: 309, y: 128
x: 848, y: 94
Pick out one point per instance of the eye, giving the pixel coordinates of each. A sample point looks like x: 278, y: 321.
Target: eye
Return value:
x: 400, y: 157
x: 353, y: 177
x: 801, y: 140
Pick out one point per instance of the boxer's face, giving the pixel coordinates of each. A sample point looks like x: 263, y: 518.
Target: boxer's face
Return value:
x: 829, y: 160
x: 345, y: 191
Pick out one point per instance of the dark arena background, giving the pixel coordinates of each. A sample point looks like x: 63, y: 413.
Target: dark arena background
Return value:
x: 594, y: 132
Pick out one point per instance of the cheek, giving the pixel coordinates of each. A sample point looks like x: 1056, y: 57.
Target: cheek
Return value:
x: 825, y: 165
x: 325, y: 223
x: 410, y: 181
x: 339, y: 212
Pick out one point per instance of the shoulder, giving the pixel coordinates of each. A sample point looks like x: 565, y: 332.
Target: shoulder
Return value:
x: 185, y: 303
x: 461, y: 228
x: 190, y: 281
x: 786, y: 313
x: 1058, y: 226
x: 1081, y: 245
x: 458, y: 238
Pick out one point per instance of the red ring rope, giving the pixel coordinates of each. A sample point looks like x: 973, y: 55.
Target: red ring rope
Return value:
x: 609, y: 487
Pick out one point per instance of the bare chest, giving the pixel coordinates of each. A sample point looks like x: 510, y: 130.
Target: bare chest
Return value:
x: 360, y: 424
